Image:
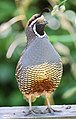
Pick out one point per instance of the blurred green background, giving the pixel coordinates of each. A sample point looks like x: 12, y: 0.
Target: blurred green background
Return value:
x: 61, y: 30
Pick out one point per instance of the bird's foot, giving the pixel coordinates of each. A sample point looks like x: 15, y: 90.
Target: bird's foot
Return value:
x: 51, y: 110
x: 33, y: 112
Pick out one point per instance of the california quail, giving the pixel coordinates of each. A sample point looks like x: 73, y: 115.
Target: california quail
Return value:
x: 39, y: 69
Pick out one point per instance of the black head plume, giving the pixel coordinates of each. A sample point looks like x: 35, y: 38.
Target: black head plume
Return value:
x: 44, y: 10
x: 38, y: 15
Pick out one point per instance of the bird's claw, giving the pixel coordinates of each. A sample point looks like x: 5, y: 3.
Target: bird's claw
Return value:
x: 34, y: 112
x: 51, y: 110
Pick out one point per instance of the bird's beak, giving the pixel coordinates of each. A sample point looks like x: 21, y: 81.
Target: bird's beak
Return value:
x: 45, y: 22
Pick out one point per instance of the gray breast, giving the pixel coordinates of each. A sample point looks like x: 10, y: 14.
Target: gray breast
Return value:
x: 40, y: 51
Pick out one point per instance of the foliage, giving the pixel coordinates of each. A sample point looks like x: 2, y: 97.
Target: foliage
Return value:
x: 61, y: 30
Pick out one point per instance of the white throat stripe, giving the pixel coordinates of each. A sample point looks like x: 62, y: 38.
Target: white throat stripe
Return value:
x: 34, y: 29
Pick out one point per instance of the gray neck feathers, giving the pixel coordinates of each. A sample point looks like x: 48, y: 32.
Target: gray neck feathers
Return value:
x: 30, y: 35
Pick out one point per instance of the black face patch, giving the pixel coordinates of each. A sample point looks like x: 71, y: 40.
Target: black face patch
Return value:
x: 40, y: 28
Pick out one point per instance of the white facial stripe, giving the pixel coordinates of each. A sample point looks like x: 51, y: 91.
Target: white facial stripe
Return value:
x: 41, y: 17
x: 34, y: 29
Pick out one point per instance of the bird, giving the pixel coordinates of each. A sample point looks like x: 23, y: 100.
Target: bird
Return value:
x: 39, y: 69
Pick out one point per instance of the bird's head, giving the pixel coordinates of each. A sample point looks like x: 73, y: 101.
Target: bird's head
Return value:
x: 37, y: 23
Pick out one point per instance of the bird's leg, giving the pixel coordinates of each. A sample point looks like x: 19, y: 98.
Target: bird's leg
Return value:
x: 31, y: 110
x: 30, y: 106
x: 49, y: 109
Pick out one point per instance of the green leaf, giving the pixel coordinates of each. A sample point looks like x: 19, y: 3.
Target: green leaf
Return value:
x: 6, y: 72
x: 62, y: 38
x: 7, y: 9
x: 16, y: 98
